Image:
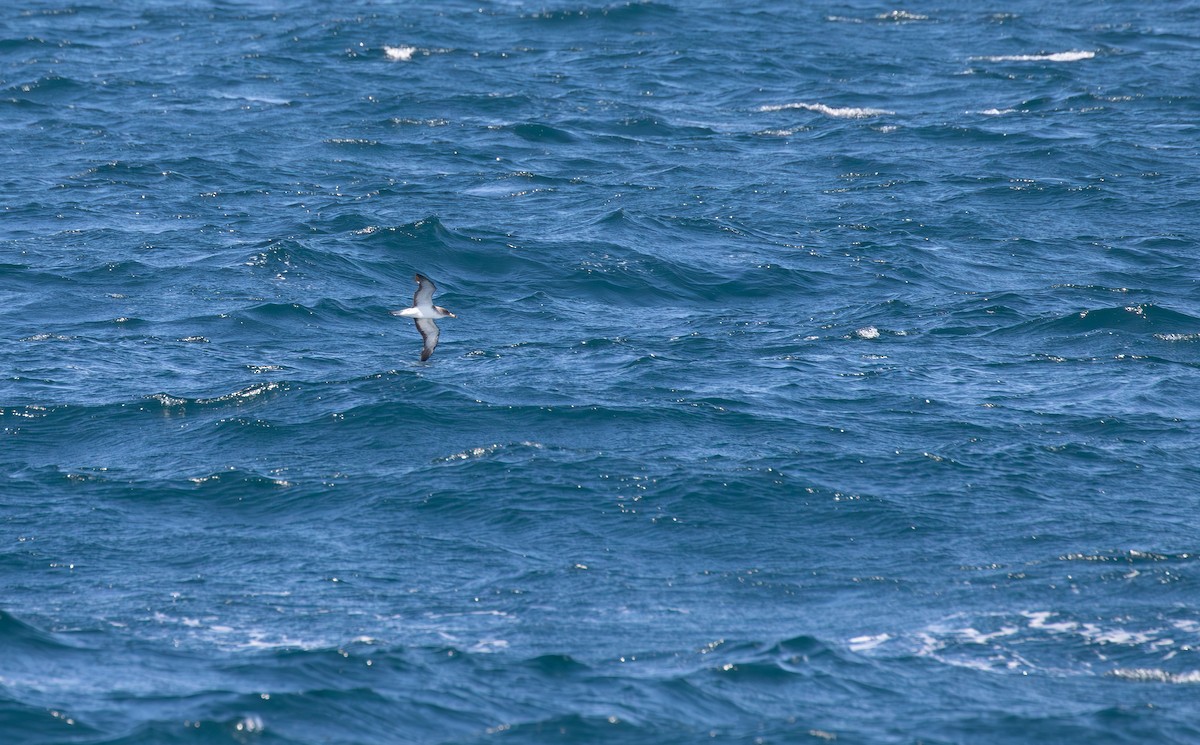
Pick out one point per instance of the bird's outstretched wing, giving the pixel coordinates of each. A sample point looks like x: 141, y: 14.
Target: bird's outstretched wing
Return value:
x: 429, y: 332
x: 424, y: 293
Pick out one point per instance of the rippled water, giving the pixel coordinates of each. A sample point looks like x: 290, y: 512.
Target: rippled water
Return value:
x: 821, y: 372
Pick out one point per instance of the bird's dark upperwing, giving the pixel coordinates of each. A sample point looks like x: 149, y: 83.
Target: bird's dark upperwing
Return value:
x: 429, y: 332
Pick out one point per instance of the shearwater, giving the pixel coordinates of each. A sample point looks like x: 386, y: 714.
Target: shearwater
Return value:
x: 423, y: 311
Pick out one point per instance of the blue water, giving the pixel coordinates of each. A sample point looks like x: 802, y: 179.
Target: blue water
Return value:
x: 822, y: 372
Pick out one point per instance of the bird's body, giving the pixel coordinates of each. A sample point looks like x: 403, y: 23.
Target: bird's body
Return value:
x: 423, y: 311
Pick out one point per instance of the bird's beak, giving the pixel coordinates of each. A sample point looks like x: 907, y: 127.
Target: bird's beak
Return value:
x: 451, y: 314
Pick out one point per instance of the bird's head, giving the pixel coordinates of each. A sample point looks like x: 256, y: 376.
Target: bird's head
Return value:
x: 445, y: 311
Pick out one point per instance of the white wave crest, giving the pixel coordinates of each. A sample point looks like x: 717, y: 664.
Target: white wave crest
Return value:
x: 820, y: 108
x: 901, y: 16
x: 863, y: 643
x: 482, y: 452
x: 1072, y: 56
x: 400, y: 54
x: 1154, y: 675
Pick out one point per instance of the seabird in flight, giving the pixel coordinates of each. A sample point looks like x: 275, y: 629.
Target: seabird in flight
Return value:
x: 423, y: 311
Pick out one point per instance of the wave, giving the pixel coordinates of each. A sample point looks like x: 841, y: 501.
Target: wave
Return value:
x: 1008, y: 313
x: 847, y: 112
x: 632, y: 13
x: 638, y: 258
x: 201, y: 727
x: 239, y: 397
x: 1071, y: 56
x: 1052, y: 642
x: 147, y: 486
x: 432, y: 248
x: 640, y: 127
x: 894, y: 16
x: 52, y: 87
x: 353, y: 251
x: 400, y: 53
x: 617, y: 263
x: 771, y: 659
x: 1143, y: 318
x: 671, y: 688
x: 1156, y: 675
x: 543, y: 133
x: 19, y: 636
x: 25, y: 43
x: 556, y: 665
x: 1136, y: 318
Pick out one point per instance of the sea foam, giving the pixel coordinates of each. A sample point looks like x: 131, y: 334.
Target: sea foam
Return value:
x: 400, y: 54
x: 848, y: 112
x: 1072, y: 56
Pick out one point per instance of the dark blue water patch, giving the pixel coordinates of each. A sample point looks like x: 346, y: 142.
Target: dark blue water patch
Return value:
x: 37, y: 724
x: 542, y: 133
x: 22, y: 636
x: 45, y: 91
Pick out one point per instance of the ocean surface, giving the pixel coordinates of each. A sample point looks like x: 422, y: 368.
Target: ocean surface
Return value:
x: 823, y: 372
